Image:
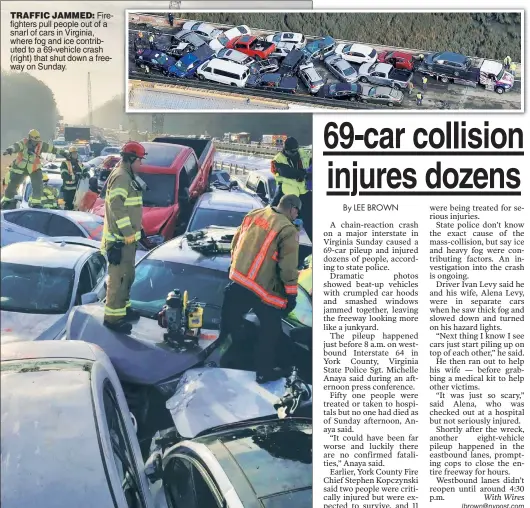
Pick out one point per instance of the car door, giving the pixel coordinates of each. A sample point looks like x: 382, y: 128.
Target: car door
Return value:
x: 124, y: 462
x: 33, y: 220
x: 98, y: 270
x: 12, y: 232
x: 61, y: 226
x: 377, y: 78
x: 196, y: 183
x: 188, y: 484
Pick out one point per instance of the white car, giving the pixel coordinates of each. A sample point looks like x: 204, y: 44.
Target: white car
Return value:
x: 205, y: 31
x: 297, y: 39
x: 110, y: 150
x: 232, y: 55
x: 283, y: 49
x: 223, y: 39
x: 41, y: 282
x: 357, y: 53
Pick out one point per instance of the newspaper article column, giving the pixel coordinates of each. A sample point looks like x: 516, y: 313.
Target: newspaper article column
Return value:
x: 419, y: 371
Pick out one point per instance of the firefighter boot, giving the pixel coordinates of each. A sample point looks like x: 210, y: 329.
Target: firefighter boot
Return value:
x: 120, y: 326
x: 132, y: 315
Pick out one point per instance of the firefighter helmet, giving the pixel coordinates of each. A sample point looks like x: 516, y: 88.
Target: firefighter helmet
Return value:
x: 34, y: 135
x: 134, y: 148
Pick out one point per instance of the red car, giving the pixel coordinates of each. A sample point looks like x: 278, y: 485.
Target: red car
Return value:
x: 399, y: 59
x: 176, y: 171
x: 252, y: 46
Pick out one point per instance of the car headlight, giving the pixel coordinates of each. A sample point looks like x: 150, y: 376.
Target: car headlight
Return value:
x: 155, y: 239
x: 167, y: 388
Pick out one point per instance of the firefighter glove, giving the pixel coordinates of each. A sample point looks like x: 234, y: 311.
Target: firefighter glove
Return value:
x: 114, y: 253
x: 8, y: 151
x: 291, y: 303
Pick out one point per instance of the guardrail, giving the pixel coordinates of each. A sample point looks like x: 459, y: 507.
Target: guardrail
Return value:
x: 378, y: 47
x: 251, y: 92
x: 233, y: 169
x: 246, y: 149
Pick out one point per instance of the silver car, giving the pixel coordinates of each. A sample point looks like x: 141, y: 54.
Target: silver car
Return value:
x: 40, y: 284
x: 311, y: 78
x: 341, y: 69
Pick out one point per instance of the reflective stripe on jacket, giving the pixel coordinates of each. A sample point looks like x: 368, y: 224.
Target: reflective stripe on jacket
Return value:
x: 123, y: 208
x: 265, y: 256
x: 68, y: 174
x: 26, y: 161
x: 49, y: 197
x: 290, y: 185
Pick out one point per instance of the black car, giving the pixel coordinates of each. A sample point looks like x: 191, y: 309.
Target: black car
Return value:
x: 264, y: 66
x: 154, y: 60
x: 341, y: 91
x: 292, y: 62
x: 188, y: 37
x: 273, y: 81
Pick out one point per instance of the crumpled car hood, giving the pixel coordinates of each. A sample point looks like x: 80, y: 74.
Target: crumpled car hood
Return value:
x: 209, y: 397
x: 152, y: 218
x: 19, y: 326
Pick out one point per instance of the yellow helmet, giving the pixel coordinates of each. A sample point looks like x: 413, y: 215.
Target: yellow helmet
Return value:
x: 45, y: 177
x: 73, y: 149
x: 34, y: 135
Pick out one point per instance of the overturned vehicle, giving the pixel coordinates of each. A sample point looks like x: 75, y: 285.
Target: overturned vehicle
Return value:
x: 178, y: 291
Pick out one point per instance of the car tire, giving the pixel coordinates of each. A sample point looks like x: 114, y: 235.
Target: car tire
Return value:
x: 233, y: 84
x: 363, y: 79
x: 201, y: 77
x: 444, y: 79
x: 499, y: 90
x: 390, y: 104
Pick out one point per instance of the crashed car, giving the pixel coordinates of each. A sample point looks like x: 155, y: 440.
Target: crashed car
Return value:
x: 152, y: 358
x: 41, y: 282
x: 219, y: 451
x: 25, y: 224
x: 151, y: 59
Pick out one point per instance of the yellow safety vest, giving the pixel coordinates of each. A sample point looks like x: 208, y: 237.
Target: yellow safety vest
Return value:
x: 289, y: 185
x: 25, y: 159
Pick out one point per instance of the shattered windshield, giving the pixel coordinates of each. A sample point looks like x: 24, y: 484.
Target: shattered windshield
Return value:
x: 156, y: 278
x: 36, y: 289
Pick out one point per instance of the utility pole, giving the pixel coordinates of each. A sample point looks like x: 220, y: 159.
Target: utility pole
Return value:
x: 157, y: 122
x: 89, y: 90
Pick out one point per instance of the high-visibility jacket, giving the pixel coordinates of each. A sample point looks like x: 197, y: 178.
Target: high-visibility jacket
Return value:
x: 29, y: 161
x: 69, y: 170
x: 265, y: 256
x: 507, y: 61
x: 49, y: 197
x: 290, y: 177
x: 123, y: 208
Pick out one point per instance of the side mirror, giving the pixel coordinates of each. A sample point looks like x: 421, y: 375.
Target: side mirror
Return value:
x: 233, y: 184
x: 91, y: 297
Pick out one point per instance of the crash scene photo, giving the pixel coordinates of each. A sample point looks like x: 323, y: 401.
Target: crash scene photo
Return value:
x: 315, y: 60
x: 156, y: 307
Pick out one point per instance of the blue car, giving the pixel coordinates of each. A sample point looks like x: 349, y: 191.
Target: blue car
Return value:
x: 320, y: 48
x: 188, y: 64
x: 153, y: 59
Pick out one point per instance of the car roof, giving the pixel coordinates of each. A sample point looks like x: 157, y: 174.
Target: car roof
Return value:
x: 453, y: 57
x: 45, y: 254
x: 275, y: 456
x: 48, y: 349
x: 362, y: 48
x: 74, y: 215
x: 224, y: 200
x: 312, y: 73
x: 179, y: 251
x: 50, y: 452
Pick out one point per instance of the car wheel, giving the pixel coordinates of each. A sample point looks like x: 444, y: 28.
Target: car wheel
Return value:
x: 390, y: 104
x: 364, y: 101
x: 363, y: 80
x: 499, y: 90
x: 233, y: 84
x: 201, y: 77
x: 444, y: 79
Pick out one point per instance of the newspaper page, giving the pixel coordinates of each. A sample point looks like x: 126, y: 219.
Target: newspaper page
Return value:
x: 158, y: 240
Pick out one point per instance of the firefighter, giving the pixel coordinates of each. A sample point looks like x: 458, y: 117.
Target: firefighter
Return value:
x: 507, y: 62
x: 121, y: 232
x: 138, y: 39
x: 264, y: 276
x: 513, y: 68
x: 27, y: 162
x: 424, y: 83
x: 290, y: 172
x: 419, y: 98
x: 170, y: 18
x: 151, y: 40
x: 49, y: 194
x: 71, y: 171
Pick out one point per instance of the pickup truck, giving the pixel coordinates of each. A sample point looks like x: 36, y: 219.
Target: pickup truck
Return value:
x: 252, y: 46
x: 384, y: 74
x: 463, y: 70
x: 176, y: 171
